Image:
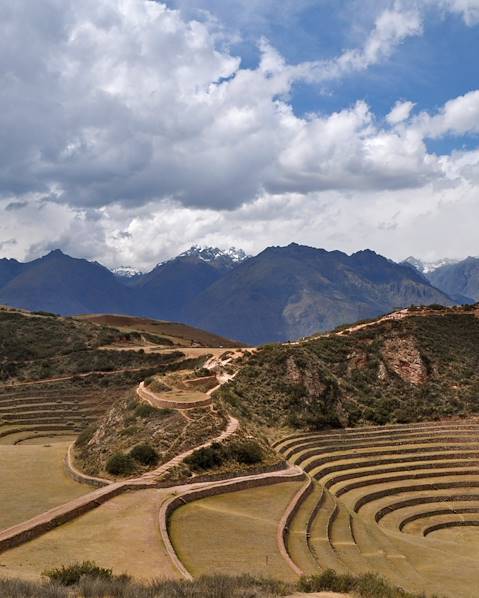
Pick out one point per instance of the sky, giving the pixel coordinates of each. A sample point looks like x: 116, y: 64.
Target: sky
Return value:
x: 133, y: 129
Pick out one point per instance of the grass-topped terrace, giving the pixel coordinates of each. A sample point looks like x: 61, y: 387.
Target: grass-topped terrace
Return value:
x: 385, y: 500
x: 33, y: 480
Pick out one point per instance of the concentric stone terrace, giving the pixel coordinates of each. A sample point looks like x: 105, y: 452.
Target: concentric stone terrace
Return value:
x: 379, y: 496
x: 34, y: 411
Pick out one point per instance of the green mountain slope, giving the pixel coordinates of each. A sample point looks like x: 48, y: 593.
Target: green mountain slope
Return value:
x: 419, y: 367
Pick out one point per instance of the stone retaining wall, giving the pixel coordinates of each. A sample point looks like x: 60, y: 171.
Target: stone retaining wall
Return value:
x: 286, y: 521
x: 80, y: 477
x: 45, y: 522
x: 166, y: 404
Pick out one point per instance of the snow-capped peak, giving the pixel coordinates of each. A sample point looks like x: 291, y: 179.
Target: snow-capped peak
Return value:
x: 428, y: 267
x: 211, y: 254
x: 126, y: 272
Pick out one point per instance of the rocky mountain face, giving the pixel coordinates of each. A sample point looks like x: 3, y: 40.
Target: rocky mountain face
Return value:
x: 289, y: 292
x: 457, y: 278
x: 282, y: 293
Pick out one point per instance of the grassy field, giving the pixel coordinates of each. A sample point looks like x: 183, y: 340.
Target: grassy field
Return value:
x: 234, y: 533
x: 32, y: 481
x: 183, y: 396
x: 122, y: 534
x: 179, y: 334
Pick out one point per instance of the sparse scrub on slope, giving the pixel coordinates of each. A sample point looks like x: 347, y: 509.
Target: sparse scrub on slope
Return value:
x: 418, y: 368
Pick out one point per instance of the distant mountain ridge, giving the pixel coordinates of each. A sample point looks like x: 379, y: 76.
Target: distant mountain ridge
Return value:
x: 427, y: 267
x: 282, y: 293
x: 457, y: 278
x: 220, y: 258
x: 288, y: 292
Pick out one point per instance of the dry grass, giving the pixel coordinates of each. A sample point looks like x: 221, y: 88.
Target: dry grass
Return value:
x: 121, y: 534
x: 234, y: 533
x: 32, y: 480
x: 181, y: 334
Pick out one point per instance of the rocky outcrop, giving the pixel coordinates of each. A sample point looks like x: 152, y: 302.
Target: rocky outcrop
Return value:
x: 402, y: 357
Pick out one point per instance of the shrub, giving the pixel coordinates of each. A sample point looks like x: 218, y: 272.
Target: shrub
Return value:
x: 145, y: 454
x: 202, y: 372
x: 245, y: 452
x: 205, y: 458
x: 368, y: 585
x: 120, y: 464
x: 144, y: 410
x: 70, y: 575
x: 328, y: 581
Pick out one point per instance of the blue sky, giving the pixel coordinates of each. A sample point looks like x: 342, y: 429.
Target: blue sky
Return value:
x: 134, y: 129
x: 428, y: 69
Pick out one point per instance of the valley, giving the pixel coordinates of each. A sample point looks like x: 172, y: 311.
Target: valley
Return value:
x: 162, y: 451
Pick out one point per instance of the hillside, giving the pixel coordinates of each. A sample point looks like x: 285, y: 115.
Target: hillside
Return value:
x: 397, y: 370
x: 290, y: 292
x: 39, y: 345
x: 162, y: 332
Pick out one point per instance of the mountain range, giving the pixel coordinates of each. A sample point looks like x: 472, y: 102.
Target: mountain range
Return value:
x: 457, y: 278
x: 282, y: 293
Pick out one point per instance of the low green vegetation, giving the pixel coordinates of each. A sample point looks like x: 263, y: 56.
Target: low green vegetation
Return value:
x: 85, y: 435
x: 71, y: 575
x: 40, y: 346
x: 120, y: 464
x: 417, y: 368
x: 107, y: 586
x: 244, y: 452
x: 87, y: 580
x: 145, y: 454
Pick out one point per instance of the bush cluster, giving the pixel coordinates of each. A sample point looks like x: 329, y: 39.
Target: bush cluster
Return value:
x: 145, y: 454
x: 245, y: 452
x: 368, y: 585
x: 70, y: 575
x: 120, y: 464
x: 85, y: 436
x: 123, y: 464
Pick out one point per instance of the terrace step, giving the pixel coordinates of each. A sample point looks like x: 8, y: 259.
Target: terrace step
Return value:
x: 371, y: 430
x: 298, y: 547
x: 319, y: 469
x: 316, y: 447
x: 343, y: 542
x: 413, y: 469
x: 381, y: 555
x: 318, y: 534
